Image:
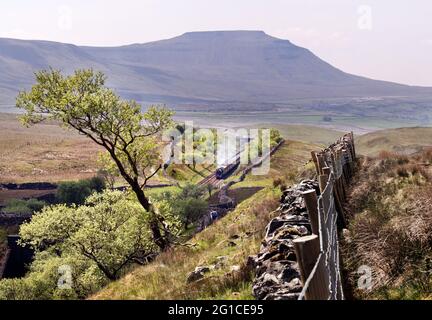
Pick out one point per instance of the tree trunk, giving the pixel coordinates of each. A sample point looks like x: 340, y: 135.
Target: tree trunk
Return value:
x: 158, y: 238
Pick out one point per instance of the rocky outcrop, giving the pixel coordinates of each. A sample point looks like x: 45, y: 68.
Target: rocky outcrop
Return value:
x: 277, y: 272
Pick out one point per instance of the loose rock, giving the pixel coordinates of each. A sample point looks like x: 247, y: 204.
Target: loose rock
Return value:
x: 197, y: 274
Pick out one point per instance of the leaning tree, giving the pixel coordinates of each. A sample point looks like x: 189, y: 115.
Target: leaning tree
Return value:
x: 82, y: 102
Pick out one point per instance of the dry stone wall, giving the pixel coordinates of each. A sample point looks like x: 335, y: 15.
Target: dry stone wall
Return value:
x: 277, y: 271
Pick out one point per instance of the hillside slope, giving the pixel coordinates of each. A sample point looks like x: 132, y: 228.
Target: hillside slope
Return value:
x: 390, y: 228
x: 248, y: 66
x: 223, y: 246
x: 401, y: 140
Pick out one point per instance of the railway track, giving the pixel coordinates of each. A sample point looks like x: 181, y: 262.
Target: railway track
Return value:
x: 211, y: 180
x: 217, y: 183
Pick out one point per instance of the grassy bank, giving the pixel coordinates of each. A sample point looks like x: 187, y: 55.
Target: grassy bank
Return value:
x: 402, y: 141
x: 226, y: 244
x: 390, y: 229
x: 230, y: 240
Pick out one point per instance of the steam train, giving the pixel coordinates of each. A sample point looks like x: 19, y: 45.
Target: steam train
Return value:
x: 227, y: 168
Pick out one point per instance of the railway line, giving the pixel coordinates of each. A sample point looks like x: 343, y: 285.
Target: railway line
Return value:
x: 212, y: 180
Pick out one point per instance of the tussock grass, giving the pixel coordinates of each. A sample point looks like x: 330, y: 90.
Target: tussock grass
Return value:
x: 391, y: 227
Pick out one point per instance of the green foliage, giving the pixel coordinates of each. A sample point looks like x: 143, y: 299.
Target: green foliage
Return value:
x: 82, y: 102
x: 275, y: 137
x: 23, y: 206
x: 167, y: 210
x: 75, y: 192
x: 97, y: 242
x: 72, y: 192
x: 96, y: 183
x: 3, y: 241
x: 187, y: 205
x: 108, y: 169
x: 191, y: 191
x: 173, y: 172
x: 130, y: 137
x: 257, y: 144
x: 41, y: 283
x: 110, y: 230
x: 190, y: 210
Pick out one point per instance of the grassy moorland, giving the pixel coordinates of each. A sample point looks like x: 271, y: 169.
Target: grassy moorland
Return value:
x: 44, y: 152
x: 402, y: 140
x: 306, y: 133
x: 390, y: 228
x: 227, y: 243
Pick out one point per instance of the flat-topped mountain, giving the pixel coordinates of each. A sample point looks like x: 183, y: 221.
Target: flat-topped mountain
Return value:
x: 232, y: 66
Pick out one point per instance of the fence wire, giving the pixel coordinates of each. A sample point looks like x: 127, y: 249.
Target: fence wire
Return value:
x: 328, y: 230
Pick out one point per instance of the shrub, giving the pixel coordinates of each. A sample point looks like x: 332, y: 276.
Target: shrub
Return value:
x: 116, y: 224
x: 23, y: 206
x: 176, y: 174
x: 192, y: 191
x: 95, y: 242
x: 188, y: 205
x: 275, y: 137
x: 190, y: 210
x: 41, y: 283
x: 96, y: 183
x: 75, y: 192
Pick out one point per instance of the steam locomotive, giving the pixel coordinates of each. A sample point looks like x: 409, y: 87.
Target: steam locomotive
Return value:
x: 227, y: 168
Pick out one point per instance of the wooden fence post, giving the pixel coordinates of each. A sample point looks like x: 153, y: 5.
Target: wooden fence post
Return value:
x: 327, y: 171
x: 315, y: 161
x: 323, y: 179
x: 311, y: 201
x: 343, y: 179
x: 321, y: 162
x: 308, y: 251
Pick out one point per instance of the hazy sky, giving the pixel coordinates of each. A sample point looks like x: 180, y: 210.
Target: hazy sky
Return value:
x: 381, y: 39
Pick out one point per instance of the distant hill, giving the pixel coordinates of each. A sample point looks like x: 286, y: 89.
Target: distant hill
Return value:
x: 402, y: 140
x: 220, y: 66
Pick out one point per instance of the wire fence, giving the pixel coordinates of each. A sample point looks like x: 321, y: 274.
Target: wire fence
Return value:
x: 318, y: 255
